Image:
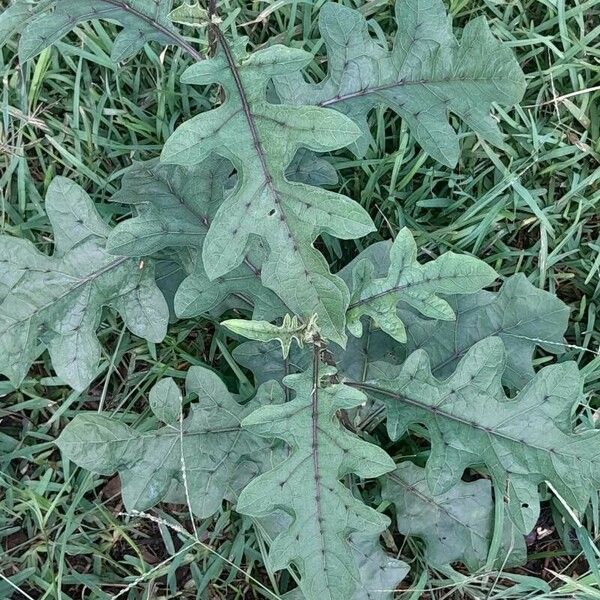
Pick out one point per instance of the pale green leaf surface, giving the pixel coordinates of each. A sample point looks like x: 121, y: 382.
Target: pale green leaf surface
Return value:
x: 55, y: 302
x: 191, y: 14
x: 169, y: 273
x: 307, y: 486
x: 426, y: 75
x: 14, y: 17
x: 261, y: 140
x: 457, y: 525
x: 521, y: 442
x: 165, y: 400
x: 175, y: 206
x: 306, y: 167
x: 379, y: 572
x: 522, y: 315
x: 267, y: 363
x: 240, y: 288
x: 415, y: 284
x: 219, y: 456
x: 362, y: 358
x: 142, y: 20
x: 291, y: 329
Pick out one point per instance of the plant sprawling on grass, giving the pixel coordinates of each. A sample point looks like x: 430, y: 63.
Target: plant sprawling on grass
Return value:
x: 236, y: 201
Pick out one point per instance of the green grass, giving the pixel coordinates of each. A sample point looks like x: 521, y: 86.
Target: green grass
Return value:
x: 532, y: 206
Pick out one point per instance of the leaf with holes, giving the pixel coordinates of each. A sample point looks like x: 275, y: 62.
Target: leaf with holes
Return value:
x: 426, y: 75
x: 521, y: 442
x: 261, y: 140
x: 414, y: 284
x: 175, y: 206
x: 307, y: 485
x: 55, y: 302
x: 47, y: 22
x: 456, y: 526
x: 219, y: 457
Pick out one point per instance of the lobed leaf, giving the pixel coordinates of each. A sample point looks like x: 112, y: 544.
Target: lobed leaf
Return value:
x: 427, y: 75
x: 266, y: 362
x: 521, y: 442
x: 379, y: 573
x: 261, y: 140
x: 219, y: 456
x: 55, y: 302
x: 190, y: 14
x: 457, y: 525
x: 291, y: 329
x: 175, y: 207
x: 520, y: 314
x: 15, y: 16
x: 44, y: 23
x: 307, y: 486
x: 414, y: 284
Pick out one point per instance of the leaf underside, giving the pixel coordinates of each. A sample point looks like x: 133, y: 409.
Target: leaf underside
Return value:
x: 427, y: 75
x: 218, y: 457
x: 55, y: 302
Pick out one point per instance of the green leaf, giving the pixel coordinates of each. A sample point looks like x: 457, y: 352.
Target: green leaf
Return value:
x: 456, y: 526
x: 425, y: 76
x: 190, y: 13
x: 261, y: 140
x: 307, y: 485
x: 306, y: 167
x: 14, y: 18
x: 379, y: 573
x: 165, y: 400
x: 240, y: 288
x: 521, y: 442
x: 522, y: 315
x: 219, y: 456
x: 175, y: 206
x: 291, y: 329
x: 266, y: 362
x: 142, y: 20
x: 362, y: 358
x: 55, y: 302
x: 359, y: 361
x: 414, y: 284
